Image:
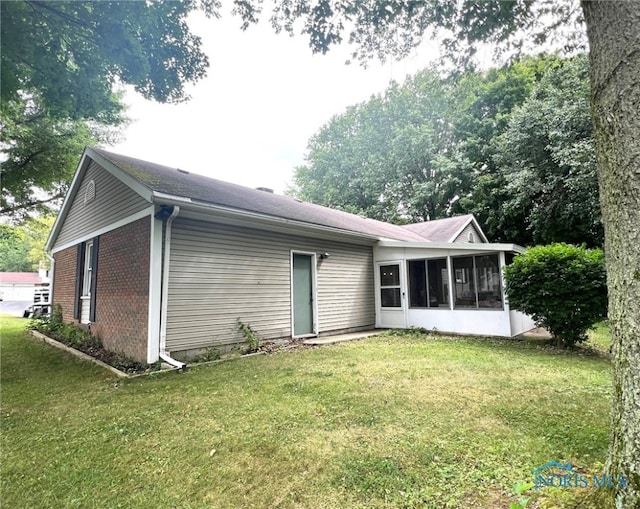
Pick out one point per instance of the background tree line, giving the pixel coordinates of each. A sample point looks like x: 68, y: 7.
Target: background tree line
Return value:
x: 22, y: 246
x: 513, y: 145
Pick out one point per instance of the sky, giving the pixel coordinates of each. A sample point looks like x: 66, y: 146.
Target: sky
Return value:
x: 249, y: 121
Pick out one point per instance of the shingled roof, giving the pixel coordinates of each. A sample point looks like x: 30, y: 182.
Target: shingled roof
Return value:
x: 442, y: 230
x: 208, y: 191
x: 32, y: 278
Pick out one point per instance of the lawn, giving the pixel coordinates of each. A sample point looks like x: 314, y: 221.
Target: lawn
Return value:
x: 395, y: 421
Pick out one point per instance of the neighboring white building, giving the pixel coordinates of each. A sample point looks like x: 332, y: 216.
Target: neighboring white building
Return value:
x: 19, y: 286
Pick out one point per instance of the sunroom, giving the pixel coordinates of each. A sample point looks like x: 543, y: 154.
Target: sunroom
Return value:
x: 446, y: 287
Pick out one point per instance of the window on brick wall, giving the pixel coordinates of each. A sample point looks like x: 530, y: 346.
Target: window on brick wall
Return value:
x: 85, y: 297
x: 88, y: 261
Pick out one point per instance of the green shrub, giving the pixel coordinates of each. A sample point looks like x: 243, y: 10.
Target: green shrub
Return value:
x: 253, y: 341
x: 563, y: 287
x: 71, y: 334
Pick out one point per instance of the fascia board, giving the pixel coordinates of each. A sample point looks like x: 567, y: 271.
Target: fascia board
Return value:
x: 68, y: 200
x: 462, y: 246
x: 471, y: 220
x: 479, y: 229
x: 122, y: 176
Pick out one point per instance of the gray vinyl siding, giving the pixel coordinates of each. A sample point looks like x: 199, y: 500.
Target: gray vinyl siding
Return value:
x: 219, y: 274
x: 113, y: 201
x: 464, y: 235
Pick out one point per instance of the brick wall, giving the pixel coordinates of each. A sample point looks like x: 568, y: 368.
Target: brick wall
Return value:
x: 64, y: 281
x: 122, y: 300
x: 122, y: 294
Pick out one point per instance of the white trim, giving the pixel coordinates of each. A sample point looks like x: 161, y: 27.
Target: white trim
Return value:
x: 81, y: 169
x: 502, y: 263
x: 471, y: 220
x: 399, y: 286
x: 52, y: 273
x: 165, y: 282
x: 314, y: 291
x: 165, y: 196
x: 451, y: 283
x: 87, y: 269
x: 130, y: 219
x: 123, y: 177
x: 461, y: 246
x: 89, y: 155
x: 155, y: 290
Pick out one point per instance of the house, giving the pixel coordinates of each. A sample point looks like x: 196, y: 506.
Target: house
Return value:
x: 19, y: 286
x: 163, y: 263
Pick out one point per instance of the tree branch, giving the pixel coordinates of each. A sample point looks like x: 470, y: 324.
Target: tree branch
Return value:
x: 28, y: 205
x: 29, y: 158
x: 61, y: 14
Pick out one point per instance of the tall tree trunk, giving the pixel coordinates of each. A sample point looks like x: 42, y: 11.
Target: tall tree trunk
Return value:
x: 613, y: 29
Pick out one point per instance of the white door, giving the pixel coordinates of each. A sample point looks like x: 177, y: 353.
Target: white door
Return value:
x: 390, y: 295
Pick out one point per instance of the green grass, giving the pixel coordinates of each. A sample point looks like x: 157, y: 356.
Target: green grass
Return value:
x: 394, y: 421
x: 599, y: 337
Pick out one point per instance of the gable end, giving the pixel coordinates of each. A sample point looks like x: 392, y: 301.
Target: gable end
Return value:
x: 100, y: 199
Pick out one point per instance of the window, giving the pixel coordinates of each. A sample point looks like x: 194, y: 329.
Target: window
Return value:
x: 88, y: 269
x: 417, y: 283
x: 390, y: 286
x: 428, y: 283
x: 477, y: 282
x: 438, y: 283
x: 465, y: 288
x: 489, y: 284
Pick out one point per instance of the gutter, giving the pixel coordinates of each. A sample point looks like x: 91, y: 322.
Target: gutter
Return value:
x: 462, y: 246
x: 163, y: 354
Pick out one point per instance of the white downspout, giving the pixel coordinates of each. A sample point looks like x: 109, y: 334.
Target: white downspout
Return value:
x: 165, y: 289
x: 51, y: 269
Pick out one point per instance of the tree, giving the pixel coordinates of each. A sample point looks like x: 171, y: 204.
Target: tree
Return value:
x: 40, y: 155
x: 563, y: 287
x: 484, y: 105
x: 613, y: 32
x: 14, y: 250
x: 435, y: 146
x: 38, y: 229
x: 547, y: 159
x: 71, y: 54
x: 22, y: 246
x: 614, y: 42
x: 61, y: 63
x: 380, y: 158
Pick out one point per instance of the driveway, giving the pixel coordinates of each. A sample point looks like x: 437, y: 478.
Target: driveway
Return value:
x: 14, y: 307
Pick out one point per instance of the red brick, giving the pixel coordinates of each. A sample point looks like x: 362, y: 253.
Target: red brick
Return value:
x: 122, y: 288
